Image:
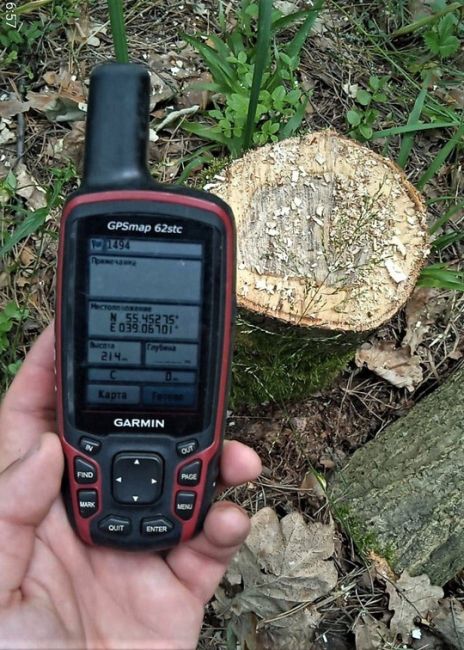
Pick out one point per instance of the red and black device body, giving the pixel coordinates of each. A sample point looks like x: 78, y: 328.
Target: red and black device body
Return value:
x: 145, y: 309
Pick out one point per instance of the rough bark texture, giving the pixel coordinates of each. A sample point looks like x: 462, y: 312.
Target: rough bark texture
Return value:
x: 405, y: 488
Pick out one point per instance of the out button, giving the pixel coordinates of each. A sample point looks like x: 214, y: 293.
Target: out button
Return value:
x: 186, y: 448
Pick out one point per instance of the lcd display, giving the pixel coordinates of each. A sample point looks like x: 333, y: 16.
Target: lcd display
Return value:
x: 144, y: 316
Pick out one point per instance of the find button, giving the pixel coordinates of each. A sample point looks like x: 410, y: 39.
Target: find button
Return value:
x: 190, y: 474
x: 115, y: 526
x: 84, y: 472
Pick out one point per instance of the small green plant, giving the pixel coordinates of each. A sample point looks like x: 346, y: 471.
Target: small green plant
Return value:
x: 9, y: 316
x: 257, y: 98
x: 442, y: 38
x: 32, y: 220
x: 363, y: 116
x: 22, y: 33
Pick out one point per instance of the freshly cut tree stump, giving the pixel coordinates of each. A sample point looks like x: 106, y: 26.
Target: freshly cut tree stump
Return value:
x: 402, y: 493
x: 331, y: 239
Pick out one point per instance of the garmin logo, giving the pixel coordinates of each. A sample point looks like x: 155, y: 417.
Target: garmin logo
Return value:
x: 138, y: 423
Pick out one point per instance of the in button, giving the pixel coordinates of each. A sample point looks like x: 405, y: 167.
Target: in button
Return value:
x: 89, y: 445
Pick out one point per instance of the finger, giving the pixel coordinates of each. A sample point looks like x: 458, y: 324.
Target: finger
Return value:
x: 29, y: 406
x: 200, y: 563
x: 28, y: 488
x: 239, y: 464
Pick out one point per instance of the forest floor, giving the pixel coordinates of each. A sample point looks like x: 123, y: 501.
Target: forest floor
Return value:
x: 300, y: 444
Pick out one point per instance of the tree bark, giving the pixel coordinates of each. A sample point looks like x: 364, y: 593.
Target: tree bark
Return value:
x: 402, y: 493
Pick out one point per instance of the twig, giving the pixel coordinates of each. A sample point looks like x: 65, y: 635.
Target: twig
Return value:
x: 21, y: 128
x: 426, y: 20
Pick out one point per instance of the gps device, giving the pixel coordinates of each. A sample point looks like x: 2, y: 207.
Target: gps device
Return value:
x: 145, y: 295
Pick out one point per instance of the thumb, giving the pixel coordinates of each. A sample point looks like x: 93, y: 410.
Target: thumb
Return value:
x: 28, y: 487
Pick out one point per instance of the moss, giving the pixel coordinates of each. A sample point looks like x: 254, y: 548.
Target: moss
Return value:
x: 364, y: 540
x: 279, y: 363
x: 209, y: 171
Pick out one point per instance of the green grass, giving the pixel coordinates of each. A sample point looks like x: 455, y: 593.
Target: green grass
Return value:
x: 116, y: 12
x: 24, y: 29
x: 256, y: 95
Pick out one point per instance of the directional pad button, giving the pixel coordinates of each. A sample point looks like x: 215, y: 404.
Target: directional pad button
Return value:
x: 137, y: 478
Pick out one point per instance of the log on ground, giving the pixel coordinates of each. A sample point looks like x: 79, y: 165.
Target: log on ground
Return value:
x: 402, y: 493
x: 331, y: 239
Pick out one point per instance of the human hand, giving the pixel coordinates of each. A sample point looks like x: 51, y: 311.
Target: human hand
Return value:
x: 56, y: 592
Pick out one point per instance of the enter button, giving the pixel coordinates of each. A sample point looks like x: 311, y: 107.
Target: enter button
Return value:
x: 156, y: 527
x: 190, y: 474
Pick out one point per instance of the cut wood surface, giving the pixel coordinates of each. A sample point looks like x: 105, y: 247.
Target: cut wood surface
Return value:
x: 404, y: 489
x: 330, y: 234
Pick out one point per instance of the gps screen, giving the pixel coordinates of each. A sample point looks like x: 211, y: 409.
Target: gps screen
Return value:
x: 144, y: 314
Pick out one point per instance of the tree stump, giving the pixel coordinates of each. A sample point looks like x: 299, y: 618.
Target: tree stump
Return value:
x: 331, y: 239
x: 401, y: 494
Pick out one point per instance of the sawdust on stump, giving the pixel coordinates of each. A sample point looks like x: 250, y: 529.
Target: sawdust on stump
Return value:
x: 330, y: 234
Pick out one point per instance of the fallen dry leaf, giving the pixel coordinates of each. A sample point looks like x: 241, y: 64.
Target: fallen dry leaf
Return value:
x: 381, y: 567
x: 27, y: 256
x: 448, y: 622
x: 411, y: 598
x: 12, y: 106
x: 7, y: 135
x: 85, y: 31
x: 395, y: 365
x: 65, y: 104
x: 28, y: 188
x: 193, y: 95
x: 56, y: 107
x: 282, y: 564
x: 420, y: 8
x: 371, y: 634
x: 71, y: 147
x: 66, y: 83
x: 422, y: 310
x: 163, y: 88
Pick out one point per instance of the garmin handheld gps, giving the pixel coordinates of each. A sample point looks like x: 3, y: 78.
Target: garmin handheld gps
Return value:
x: 145, y: 296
